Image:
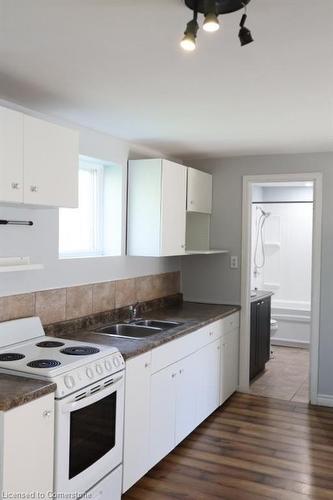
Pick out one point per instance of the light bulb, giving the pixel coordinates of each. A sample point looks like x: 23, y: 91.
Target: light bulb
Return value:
x: 188, y: 43
x: 211, y: 23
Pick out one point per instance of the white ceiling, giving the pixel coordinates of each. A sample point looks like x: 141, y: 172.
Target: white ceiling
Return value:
x: 116, y: 66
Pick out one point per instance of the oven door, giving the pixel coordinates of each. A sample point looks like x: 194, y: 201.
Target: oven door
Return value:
x: 89, y: 435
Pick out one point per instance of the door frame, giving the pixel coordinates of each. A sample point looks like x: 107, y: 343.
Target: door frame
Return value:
x: 248, y: 181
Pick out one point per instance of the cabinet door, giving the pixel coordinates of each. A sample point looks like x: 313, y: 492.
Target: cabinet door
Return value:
x: 208, y: 363
x: 27, y: 461
x: 265, y: 320
x: 186, y: 397
x: 136, y: 422
x: 229, y: 364
x: 254, y: 336
x: 173, y: 209
x: 199, y: 191
x: 11, y: 156
x: 162, y: 413
x: 51, y: 157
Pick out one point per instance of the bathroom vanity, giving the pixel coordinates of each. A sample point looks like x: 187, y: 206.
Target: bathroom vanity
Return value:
x: 260, y: 336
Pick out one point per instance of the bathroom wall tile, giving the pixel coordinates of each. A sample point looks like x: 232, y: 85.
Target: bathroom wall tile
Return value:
x: 17, y: 306
x: 51, y: 305
x: 125, y: 292
x: 79, y: 301
x: 104, y: 296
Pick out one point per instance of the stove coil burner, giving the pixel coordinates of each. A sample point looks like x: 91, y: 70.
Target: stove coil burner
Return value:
x: 80, y: 350
x: 11, y: 356
x: 50, y: 343
x: 43, y: 363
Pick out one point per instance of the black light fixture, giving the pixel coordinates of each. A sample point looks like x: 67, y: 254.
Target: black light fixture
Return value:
x: 245, y: 35
x: 211, y: 10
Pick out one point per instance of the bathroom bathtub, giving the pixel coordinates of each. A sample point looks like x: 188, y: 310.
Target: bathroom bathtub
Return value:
x: 294, y: 324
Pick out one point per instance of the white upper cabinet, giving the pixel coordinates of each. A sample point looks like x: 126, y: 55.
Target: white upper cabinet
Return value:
x: 51, y: 163
x: 38, y: 161
x: 156, y: 208
x: 11, y: 156
x: 199, y: 191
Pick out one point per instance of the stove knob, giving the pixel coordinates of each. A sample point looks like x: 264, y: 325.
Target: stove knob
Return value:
x: 99, y: 369
x: 69, y: 381
x: 116, y: 362
x: 89, y: 373
x: 108, y: 365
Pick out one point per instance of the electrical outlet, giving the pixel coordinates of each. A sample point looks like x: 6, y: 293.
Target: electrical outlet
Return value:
x: 234, y: 262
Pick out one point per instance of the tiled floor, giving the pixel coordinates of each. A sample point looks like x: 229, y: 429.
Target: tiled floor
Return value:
x: 286, y: 375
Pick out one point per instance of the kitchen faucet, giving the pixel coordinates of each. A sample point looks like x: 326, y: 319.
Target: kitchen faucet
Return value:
x: 134, y: 311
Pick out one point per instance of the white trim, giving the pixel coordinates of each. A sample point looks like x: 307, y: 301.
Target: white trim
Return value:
x: 324, y: 400
x: 316, y: 178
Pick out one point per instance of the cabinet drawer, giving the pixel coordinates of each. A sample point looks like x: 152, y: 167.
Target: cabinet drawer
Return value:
x: 230, y: 323
x: 178, y: 349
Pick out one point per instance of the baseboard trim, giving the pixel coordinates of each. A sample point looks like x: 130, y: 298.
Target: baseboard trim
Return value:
x: 324, y: 400
x: 303, y: 344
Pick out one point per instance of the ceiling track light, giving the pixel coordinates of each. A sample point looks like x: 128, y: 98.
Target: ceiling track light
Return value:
x: 212, y: 9
x: 211, y: 22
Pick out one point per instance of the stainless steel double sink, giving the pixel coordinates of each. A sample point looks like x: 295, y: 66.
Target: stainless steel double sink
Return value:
x: 139, y: 329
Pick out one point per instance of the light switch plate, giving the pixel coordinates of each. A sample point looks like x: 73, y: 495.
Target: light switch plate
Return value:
x: 233, y: 262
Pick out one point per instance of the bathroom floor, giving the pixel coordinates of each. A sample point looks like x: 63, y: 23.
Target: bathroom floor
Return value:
x: 286, y: 375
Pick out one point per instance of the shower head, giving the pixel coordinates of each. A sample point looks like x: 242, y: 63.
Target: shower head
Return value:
x: 265, y: 214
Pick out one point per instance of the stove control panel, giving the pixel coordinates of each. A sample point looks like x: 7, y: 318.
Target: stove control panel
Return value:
x: 88, y: 374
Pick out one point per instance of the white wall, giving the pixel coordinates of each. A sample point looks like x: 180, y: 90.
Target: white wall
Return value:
x: 213, y: 280
x: 287, y: 236
x: 40, y: 242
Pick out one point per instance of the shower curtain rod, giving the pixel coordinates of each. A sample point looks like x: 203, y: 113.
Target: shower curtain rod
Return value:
x: 278, y: 202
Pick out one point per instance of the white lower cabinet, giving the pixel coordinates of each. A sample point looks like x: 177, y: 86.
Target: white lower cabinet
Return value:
x: 208, y: 397
x: 172, y: 389
x: 162, y: 413
x: 137, y: 419
x: 26, y: 454
x: 229, y: 365
x: 187, y: 377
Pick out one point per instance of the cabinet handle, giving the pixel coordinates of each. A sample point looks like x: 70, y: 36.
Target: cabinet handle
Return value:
x: 182, y: 246
x: 33, y: 189
x: 191, y: 202
x: 47, y: 413
x: 210, y: 334
x: 262, y: 302
x: 181, y: 371
x: 173, y: 375
x: 147, y: 365
x: 258, y: 304
x: 15, y: 185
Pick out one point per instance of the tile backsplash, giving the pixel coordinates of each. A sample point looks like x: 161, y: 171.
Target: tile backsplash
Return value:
x: 62, y: 304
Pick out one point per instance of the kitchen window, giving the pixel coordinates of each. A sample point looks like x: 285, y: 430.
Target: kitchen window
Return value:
x: 94, y: 228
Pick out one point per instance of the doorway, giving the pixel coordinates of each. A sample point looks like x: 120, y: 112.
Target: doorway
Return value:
x: 280, y: 286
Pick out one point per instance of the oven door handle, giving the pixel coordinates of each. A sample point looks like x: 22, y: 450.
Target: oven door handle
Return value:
x: 93, y: 398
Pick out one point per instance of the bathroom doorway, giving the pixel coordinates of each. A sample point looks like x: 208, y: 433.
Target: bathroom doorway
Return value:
x: 280, y: 286
x: 281, y: 262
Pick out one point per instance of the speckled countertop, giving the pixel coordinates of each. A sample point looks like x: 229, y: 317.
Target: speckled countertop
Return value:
x: 191, y: 315
x: 16, y: 391
x: 261, y: 294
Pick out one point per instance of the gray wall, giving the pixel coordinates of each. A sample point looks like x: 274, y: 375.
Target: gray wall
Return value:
x: 209, y: 278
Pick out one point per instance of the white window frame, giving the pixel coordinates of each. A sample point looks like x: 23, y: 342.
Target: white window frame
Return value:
x: 90, y: 164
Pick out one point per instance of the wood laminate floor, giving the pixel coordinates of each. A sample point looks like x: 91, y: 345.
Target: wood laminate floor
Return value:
x: 254, y: 448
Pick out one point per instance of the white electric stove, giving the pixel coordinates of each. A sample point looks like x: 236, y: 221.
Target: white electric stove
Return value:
x: 89, y: 402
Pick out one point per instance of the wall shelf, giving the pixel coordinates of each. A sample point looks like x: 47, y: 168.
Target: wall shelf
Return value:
x: 14, y: 264
x: 205, y: 252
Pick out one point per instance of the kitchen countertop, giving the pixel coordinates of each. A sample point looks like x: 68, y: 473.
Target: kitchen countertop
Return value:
x: 16, y: 391
x: 261, y: 294
x: 191, y: 315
